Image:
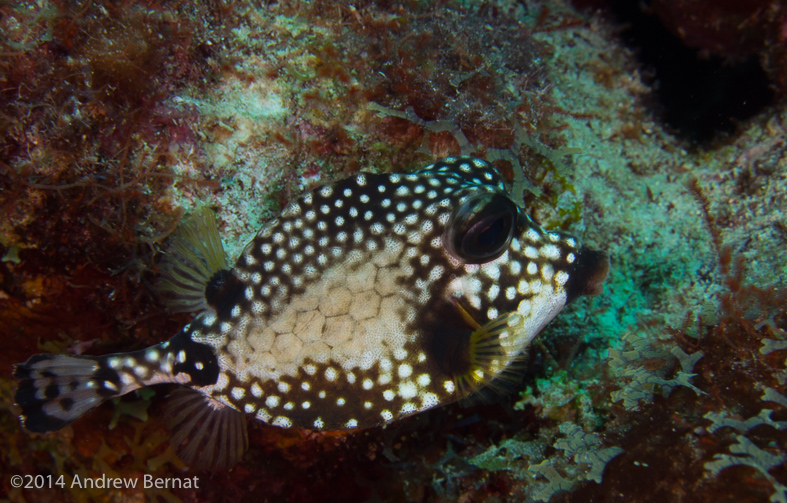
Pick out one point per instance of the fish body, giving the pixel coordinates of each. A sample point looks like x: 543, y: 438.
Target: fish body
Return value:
x: 366, y: 301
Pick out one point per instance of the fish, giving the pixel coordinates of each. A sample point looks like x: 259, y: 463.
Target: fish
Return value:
x: 365, y: 301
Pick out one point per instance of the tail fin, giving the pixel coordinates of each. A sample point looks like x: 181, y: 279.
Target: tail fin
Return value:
x: 55, y: 389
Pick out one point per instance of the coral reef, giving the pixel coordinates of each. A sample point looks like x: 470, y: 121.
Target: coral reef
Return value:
x: 669, y: 387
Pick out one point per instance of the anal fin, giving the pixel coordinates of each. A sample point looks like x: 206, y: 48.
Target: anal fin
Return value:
x: 205, y: 433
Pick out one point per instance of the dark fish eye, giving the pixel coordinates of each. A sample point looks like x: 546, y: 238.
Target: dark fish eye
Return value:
x: 481, y: 228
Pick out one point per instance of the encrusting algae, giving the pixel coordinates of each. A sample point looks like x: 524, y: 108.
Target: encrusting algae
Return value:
x: 366, y: 301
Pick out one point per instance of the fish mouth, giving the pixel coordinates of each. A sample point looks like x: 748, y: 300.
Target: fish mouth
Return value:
x: 588, y: 275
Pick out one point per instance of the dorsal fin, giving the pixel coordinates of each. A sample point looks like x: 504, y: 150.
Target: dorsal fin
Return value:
x: 194, y: 258
x: 206, y: 434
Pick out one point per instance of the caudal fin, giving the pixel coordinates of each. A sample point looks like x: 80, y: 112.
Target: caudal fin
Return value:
x: 56, y: 389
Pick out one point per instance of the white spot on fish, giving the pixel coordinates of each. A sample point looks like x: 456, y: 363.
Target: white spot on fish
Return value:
x: 407, y: 389
x: 405, y: 371
x: 281, y: 421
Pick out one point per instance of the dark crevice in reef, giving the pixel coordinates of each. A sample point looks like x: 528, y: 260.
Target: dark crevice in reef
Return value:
x: 697, y: 97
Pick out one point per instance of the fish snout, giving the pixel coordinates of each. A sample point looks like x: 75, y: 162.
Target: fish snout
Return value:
x: 588, y: 275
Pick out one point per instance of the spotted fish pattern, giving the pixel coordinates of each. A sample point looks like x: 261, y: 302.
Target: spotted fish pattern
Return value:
x: 366, y: 301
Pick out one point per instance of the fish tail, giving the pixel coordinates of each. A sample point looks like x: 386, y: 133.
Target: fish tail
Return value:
x: 55, y: 389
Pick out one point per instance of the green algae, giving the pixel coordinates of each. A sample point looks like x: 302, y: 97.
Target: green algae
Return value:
x: 577, y: 457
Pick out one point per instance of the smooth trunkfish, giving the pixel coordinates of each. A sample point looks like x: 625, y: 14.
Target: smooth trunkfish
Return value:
x: 368, y: 300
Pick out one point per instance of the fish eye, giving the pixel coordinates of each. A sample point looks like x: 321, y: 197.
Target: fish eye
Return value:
x: 481, y: 228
